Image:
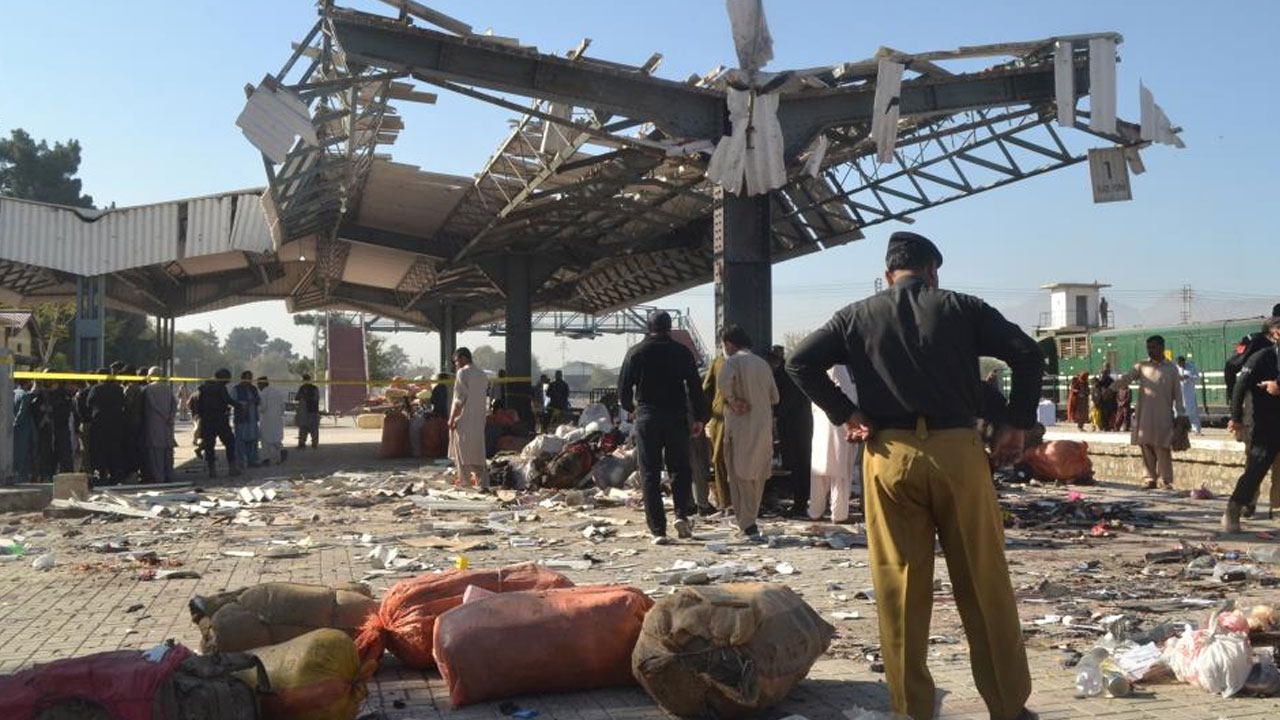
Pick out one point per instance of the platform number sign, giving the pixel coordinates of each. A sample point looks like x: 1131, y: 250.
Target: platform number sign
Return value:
x: 1109, y: 175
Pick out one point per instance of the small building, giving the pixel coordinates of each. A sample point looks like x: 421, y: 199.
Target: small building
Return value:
x: 20, y: 334
x: 1075, y: 307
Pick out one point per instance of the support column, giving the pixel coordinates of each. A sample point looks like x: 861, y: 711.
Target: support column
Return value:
x: 90, y: 328
x: 743, y: 274
x: 164, y: 344
x: 448, y: 340
x: 519, y: 322
x: 6, y: 416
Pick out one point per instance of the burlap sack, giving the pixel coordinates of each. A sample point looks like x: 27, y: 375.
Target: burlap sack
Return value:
x: 273, y: 613
x: 727, y: 651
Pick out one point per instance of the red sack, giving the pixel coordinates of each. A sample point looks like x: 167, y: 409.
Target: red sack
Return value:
x: 406, y: 619
x: 435, y: 437
x: 503, y: 418
x: 500, y: 646
x: 1060, y: 460
x: 395, y: 436
x: 124, y: 683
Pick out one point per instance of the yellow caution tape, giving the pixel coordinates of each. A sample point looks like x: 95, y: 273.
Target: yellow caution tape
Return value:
x: 85, y: 377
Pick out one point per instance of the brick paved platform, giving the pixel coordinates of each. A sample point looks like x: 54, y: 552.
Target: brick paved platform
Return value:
x: 84, y: 603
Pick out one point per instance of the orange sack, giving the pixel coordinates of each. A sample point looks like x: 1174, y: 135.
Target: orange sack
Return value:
x: 405, y: 621
x: 546, y: 641
x: 1060, y: 460
x: 395, y: 436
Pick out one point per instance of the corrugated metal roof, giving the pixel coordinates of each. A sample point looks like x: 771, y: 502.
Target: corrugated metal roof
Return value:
x: 13, y: 318
x: 273, y: 116
x: 95, y: 242
x: 249, y: 231
x: 208, y: 226
x: 87, y: 242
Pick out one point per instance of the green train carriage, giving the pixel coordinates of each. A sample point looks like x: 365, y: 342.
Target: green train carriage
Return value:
x: 1207, y: 345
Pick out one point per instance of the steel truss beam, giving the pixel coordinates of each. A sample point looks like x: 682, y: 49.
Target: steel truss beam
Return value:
x: 955, y: 158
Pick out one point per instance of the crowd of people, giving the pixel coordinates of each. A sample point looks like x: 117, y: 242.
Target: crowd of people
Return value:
x: 120, y: 428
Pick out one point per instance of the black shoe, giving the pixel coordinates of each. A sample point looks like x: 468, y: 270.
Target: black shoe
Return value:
x: 707, y: 511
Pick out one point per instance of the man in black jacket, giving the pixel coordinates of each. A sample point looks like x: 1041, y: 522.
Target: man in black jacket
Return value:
x: 1259, y: 380
x: 106, y: 429
x: 214, y: 403
x: 795, y: 433
x: 659, y: 382
x: 913, y: 352
x: 307, y: 416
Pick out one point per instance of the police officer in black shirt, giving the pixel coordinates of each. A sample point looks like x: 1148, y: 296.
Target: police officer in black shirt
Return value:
x: 213, y: 403
x: 1260, y: 379
x: 658, y: 383
x: 913, y: 352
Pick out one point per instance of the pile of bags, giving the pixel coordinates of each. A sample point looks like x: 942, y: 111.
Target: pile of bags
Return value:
x: 273, y: 613
x: 576, y: 456
x: 721, y: 652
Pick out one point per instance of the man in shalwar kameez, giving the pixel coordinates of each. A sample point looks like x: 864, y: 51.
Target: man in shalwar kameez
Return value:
x: 159, y: 408
x: 271, y: 422
x: 837, y: 463
x: 746, y: 382
x: 466, y: 421
x: 1159, y: 402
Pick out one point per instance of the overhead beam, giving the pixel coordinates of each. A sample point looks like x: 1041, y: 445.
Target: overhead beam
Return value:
x: 679, y: 109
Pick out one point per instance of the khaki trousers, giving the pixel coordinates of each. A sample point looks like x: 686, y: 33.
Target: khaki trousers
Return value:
x: 720, y: 472
x: 918, y: 483
x: 1157, y: 462
x: 747, y: 495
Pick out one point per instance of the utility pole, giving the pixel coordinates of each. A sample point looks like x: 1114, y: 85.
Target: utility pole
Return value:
x: 1187, y: 296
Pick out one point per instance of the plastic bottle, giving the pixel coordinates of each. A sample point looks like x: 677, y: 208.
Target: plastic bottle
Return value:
x: 1114, y: 680
x: 1089, y: 679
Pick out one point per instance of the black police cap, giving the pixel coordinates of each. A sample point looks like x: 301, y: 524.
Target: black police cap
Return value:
x: 918, y: 249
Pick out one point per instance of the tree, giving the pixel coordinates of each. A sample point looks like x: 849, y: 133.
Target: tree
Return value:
x: 271, y: 364
x: 54, y: 323
x: 279, y: 346
x: 129, y: 339
x: 244, y: 344
x: 486, y: 357
x: 35, y: 171
x: 384, y: 360
x: 196, y: 353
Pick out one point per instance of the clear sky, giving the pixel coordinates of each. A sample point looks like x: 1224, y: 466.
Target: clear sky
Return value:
x: 151, y: 89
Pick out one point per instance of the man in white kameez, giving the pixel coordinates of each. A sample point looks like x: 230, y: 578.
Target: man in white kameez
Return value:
x: 1159, y: 402
x: 271, y: 423
x: 159, y: 408
x: 746, y: 382
x: 836, y: 463
x: 1190, y: 375
x: 466, y: 421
